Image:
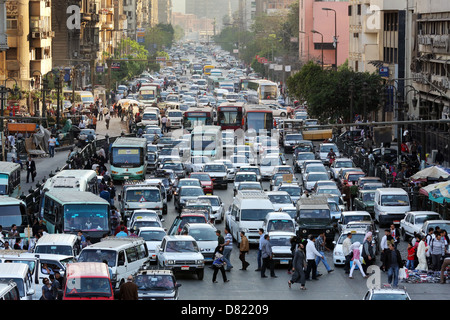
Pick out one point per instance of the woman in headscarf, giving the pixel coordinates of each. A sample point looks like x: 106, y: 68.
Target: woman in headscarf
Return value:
x: 356, y: 259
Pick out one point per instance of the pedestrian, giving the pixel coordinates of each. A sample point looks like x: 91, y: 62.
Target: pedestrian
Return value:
x: 439, y: 158
x: 348, y: 254
x: 437, y: 251
x: 410, y: 257
x: 60, y: 280
x: 107, y: 119
x: 311, y: 254
x: 267, y: 258
x: 31, y: 169
x: 244, y: 248
x: 220, y: 238
x: 321, y: 247
x: 368, y: 251
x: 298, y: 266
x: 51, y: 146
x: 47, y: 290
x: 422, y: 250
x: 129, y: 290
x: 445, y: 265
x: 353, y: 194
x: 17, y: 244
x: 356, y: 260
x: 56, y: 286
x: 261, y: 238
x: 218, y: 264
x: 384, y: 246
x: 13, y: 233
x: 81, y: 239
x: 227, y: 248
x: 164, y: 124
x: 395, y: 233
x: 347, y: 196
x: 393, y: 263
x: 122, y: 233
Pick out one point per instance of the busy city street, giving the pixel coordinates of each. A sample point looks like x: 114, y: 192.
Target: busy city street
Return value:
x: 185, y: 164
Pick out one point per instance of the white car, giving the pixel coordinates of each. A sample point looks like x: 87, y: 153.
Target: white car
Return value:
x: 153, y: 237
x: 325, y: 148
x: 310, y: 179
x: 413, y: 221
x: 217, y: 206
x: 338, y: 253
x: 268, y: 164
x: 206, y: 237
x: 181, y: 253
x: 340, y: 163
x: 239, y: 160
x: 244, y: 176
x: 281, y: 246
x: 280, y: 199
x: 293, y: 189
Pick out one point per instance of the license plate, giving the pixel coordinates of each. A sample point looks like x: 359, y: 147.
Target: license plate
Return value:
x: 184, y: 268
x: 284, y: 261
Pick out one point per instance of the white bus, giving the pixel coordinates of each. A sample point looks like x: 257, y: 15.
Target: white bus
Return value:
x: 76, y: 179
x: 262, y: 92
x: 207, y: 141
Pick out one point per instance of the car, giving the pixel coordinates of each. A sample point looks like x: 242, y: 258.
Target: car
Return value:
x: 248, y: 185
x: 325, y: 148
x: 279, y: 178
x: 217, y: 206
x: 351, y: 177
x: 349, y: 216
x: 310, y: 179
x: 205, y: 181
x: 293, y: 189
x: 254, y: 169
x: 280, y: 199
x: 177, y: 166
x: 186, y: 216
x: 267, y: 165
x: 365, y: 201
x: 153, y: 237
x: 364, y: 226
x: 206, y: 237
x: 218, y: 173
x: 340, y: 163
x: 387, y: 293
x: 281, y: 246
x: 442, y: 224
x: 140, y: 222
x: 413, y: 221
x: 310, y: 162
x: 181, y: 253
x: 371, y: 186
x: 300, y: 158
x: 363, y: 180
x: 187, y: 193
x: 142, y: 213
x: 390, y: 155
x: 290, y: 140
x: 244, y: 176
x: 156, y: 285
x: 239, y: 161
x: 231, y: 170
x: 338, y: 254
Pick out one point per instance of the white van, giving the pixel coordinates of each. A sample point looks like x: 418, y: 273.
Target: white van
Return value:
x: 151, y: 116
x: 175, y: 118
x: 58, y: 243
x: 279, y: 221
x: 247, y: 213
x: 125, y: 256
x: 391, y: 205
x: 21, y: 275
x: 77, y: 179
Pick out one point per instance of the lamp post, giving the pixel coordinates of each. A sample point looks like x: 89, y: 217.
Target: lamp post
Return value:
x: 321, y: 35
x: 335, y: 40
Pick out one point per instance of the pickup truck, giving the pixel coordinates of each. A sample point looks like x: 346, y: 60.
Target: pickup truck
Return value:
x: 180, y: 253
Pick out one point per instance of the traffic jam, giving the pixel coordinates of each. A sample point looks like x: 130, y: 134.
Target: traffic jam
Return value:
x: 219, y: 158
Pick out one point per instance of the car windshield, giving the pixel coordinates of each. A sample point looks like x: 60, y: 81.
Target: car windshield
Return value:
x: 201, y: 177
x: 173, y: 166
x: 294, y: 137
x: 192, y: 182
x: 249, y: 186
x: 98, y: 255
x: 203, y: 234
x: 394, y: 200
x: 280, y: 225
x: 275, y: 161
x: 356, y: 237
x: 333, y: 191
x: 146, y: 223
x: 147, y: 282
x: 316, y: 177
x: 152, y: 235
x: 181, y: 246
x: 315, y: 214
x: 88, y: 287
x: 343, y: 164
x: 368, y: 196
x: 214, y: 201
x: 280, y: 241
x: 420, y: 219
x: 293, y: 191
x: 389, y: 296
x: 327, y: 148
x: 214, y: 168
x: 143, y: 195
x: 283, y: 198
x: 305, y: 156
x: 245, y: 177
x: 191, y: 192
x: 315, y: 169
x: 355, y: 217
x: 355, y: 177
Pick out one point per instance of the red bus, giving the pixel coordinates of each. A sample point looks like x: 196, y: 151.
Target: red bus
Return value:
x: 88, y: 281
x: 197, y: 116
x: 258, y: 118
x: 230, y: 115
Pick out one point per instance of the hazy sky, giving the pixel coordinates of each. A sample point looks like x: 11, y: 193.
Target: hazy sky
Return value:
x: 178, y: 6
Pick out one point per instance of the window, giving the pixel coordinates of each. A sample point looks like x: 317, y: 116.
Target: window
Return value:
x: 359, y: 9
x: 349, y: 10
x: 11, y: 24
x: 132, y: 254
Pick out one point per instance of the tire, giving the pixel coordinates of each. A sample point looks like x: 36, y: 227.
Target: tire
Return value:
x: 200, y: 274
x: 282, y: 114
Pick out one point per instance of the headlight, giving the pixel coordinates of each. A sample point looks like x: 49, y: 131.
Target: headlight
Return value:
x: 338, y: 253
x: 327, y: 231
x: 383, y: 213
x: 304, y: 231
x: 170, y: 261
x: 200, y: 262
x: 245, y: 230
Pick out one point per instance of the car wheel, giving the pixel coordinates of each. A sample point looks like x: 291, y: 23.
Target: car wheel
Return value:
x: 200, y: 274
x: 282, y: 114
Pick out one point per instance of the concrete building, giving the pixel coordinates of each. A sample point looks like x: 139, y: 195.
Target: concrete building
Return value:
x: 327, y: 23
x: 165, y: 11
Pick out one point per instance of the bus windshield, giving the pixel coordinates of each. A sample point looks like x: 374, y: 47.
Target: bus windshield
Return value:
x: 195, y: 120
x: 230, y: 116
x: 10, y: 215
x: 126, y: 156
x: 86, y: 217
x: 203, y: 142
x: 259, y: 120
x: 268, y: 92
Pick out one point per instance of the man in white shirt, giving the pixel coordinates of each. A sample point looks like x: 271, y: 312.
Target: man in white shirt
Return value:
x: 346, y: 250
x: 384, y: 246
x: 311, y: 254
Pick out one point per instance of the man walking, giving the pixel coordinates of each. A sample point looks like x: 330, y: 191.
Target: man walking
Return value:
x: 311, y: 254
x: 227, y: 246
x: 437, y: 247
x: 393, y: 263
x: 244, y: 247
x: 320, y: 246
x: 347, y: 252
x: 31, y: 169
x: 129, y: 290
x: 267, y: 258
x: 261, y: 238
x: 51, y: 146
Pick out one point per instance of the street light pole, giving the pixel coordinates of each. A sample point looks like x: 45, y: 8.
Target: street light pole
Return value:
x: 321, y: 35
x: 335, y: 40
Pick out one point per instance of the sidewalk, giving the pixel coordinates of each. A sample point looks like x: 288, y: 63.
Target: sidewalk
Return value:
x: 46, y: 165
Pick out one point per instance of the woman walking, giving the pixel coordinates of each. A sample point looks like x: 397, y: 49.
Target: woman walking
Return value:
x: 298, y: 266
x: 422, y: 249
x: 356, y: 256
x: 218, y: 264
